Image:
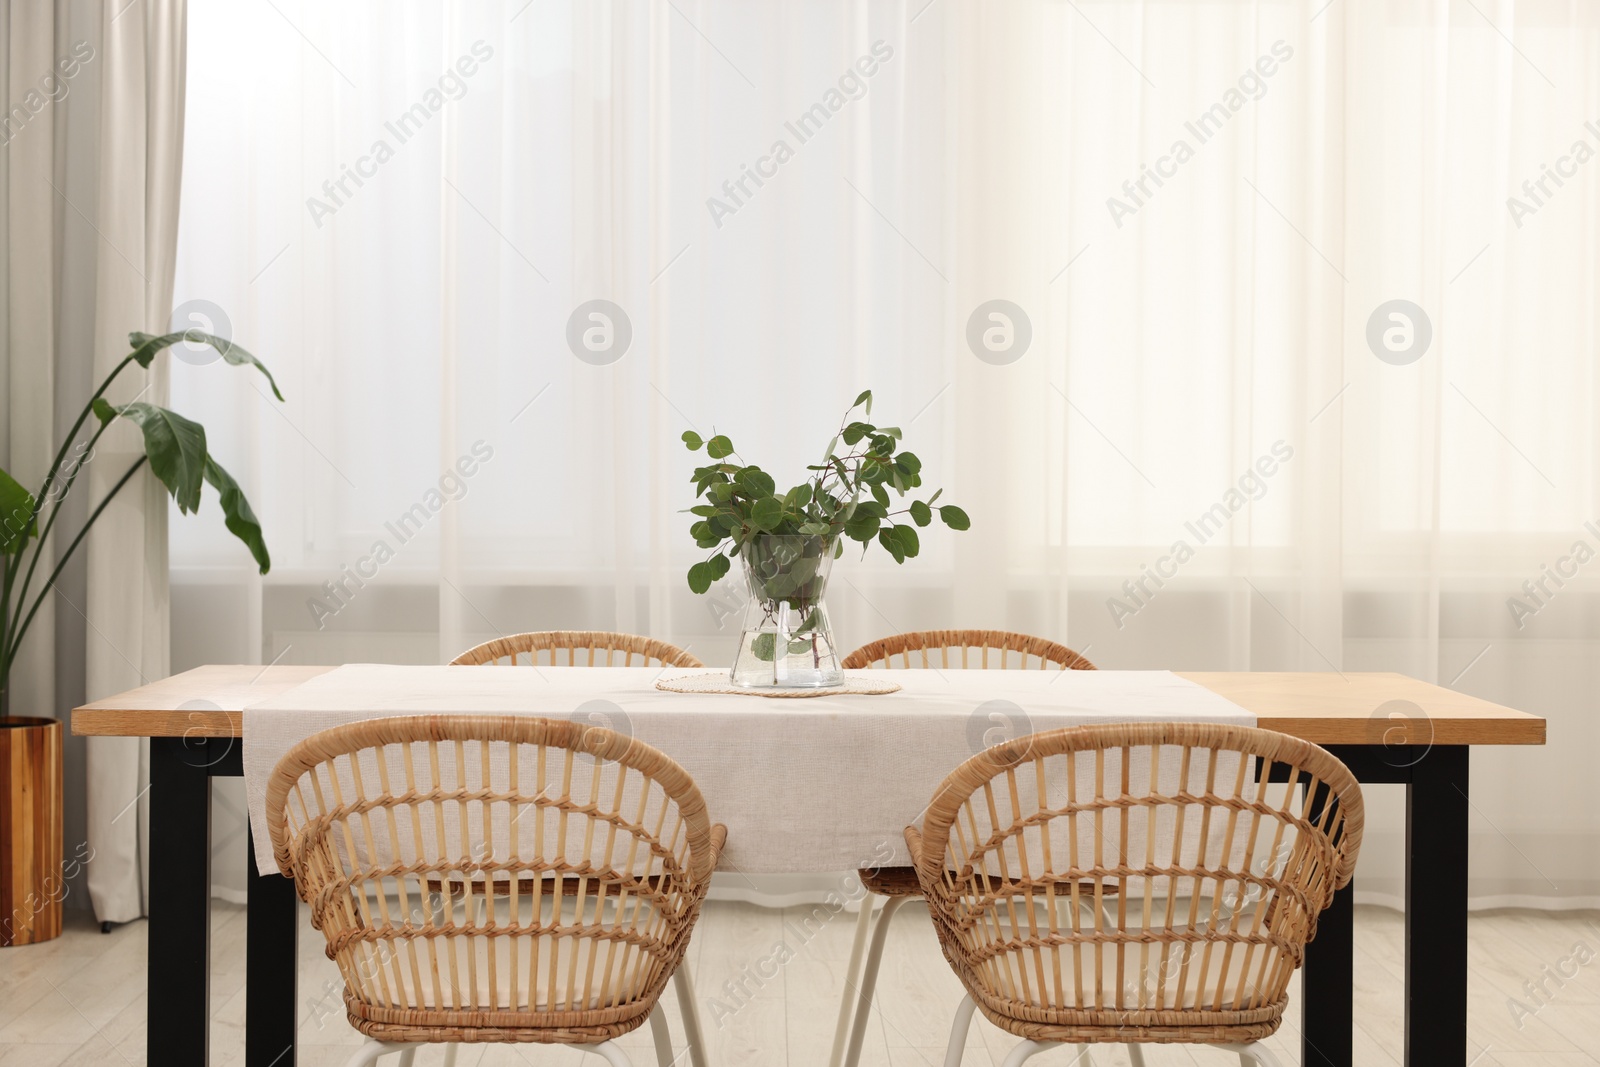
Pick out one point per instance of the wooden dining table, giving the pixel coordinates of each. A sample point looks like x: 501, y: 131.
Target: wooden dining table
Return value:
x: 1388, y: 728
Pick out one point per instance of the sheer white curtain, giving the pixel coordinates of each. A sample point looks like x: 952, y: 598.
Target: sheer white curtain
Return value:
x: 1196, y: 213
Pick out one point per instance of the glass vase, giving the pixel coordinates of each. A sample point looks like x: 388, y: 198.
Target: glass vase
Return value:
x: 787, y: 640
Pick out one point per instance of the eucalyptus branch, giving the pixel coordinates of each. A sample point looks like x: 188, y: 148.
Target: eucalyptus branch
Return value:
x: 847, y: 498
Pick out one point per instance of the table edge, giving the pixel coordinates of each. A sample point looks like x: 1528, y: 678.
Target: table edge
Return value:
x: 104, y: 718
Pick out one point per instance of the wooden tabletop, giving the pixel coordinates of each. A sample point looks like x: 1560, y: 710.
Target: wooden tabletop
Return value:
x: 1326, y: 708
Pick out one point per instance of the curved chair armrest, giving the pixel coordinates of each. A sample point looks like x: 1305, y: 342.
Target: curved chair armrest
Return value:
x: 719, y: 838
x: 914, y: 845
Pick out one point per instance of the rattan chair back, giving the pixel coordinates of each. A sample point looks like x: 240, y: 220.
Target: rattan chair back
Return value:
x: 493, y: 878
x: 953, y: 649
x: 577, y: 648
x: 1205, y: 853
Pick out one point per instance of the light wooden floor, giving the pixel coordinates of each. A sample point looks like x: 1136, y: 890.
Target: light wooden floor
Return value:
x: 80, y: 1000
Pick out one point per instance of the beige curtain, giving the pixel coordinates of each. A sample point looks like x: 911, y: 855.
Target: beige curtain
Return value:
x: 27, y: 425
x: 49, y: 156
x: 140, y: 142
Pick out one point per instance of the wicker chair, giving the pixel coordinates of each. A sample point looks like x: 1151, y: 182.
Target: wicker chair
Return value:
x: 1226, y: 843
x: 495, y: 878
x: 593, y: 648
x: 997, y: 649
x: 620, y: 650
x: 981, y: 649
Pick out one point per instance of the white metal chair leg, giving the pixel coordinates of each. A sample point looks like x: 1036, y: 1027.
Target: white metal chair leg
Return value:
x: 689, y: 1008
x: 1025, y: 1050
x: 869, y: 979
x: 852, y: 980
x: 1136, y: 1055
x: 661, y: 1037
x: 408, y: 1057
x: 1254, y: 1054
x: 450, y: 1055
x: 958, y: 1032
x: 611, y: 1051
x: 372, y: 1048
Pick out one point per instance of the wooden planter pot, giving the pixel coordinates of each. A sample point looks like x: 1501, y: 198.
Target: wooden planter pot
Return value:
x: 31, y: 882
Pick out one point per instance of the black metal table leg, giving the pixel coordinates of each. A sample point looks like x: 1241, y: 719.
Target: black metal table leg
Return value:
x: 1327, y: 1031
x: 1436, y: 908
x: 272, y: 932
x: 1327, y: 1035
x: 178, y: 1014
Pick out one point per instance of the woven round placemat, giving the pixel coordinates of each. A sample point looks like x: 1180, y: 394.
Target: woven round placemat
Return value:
x: 718, y: 682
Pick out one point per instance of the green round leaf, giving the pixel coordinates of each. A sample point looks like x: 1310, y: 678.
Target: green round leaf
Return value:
x: 889, y: 541
x: 921, y: 514
x: 693, y: 440
x: 767, y: 513
x: 755, y: 481
x: 700, y: 577
x: 718, y: 447
x: 910, y: 543
x: 954, y: 517
x: 862, y: 526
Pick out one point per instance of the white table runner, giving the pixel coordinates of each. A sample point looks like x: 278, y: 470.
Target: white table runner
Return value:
x: 825, y: 784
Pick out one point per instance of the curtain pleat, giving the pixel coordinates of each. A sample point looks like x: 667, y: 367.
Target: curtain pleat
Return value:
x: 141, y: 136
x: 31, y: 264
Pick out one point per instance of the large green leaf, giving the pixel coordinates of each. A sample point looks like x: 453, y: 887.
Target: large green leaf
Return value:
x: 242, y: 522
x: 16, y: 516
x: 145, y: 347
x: 176, y: 447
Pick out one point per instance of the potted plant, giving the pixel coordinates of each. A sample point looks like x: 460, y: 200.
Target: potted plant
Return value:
x: 786, y: 543
x: 32, y: 876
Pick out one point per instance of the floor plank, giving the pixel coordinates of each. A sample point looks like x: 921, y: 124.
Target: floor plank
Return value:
x: 79, y: 1001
